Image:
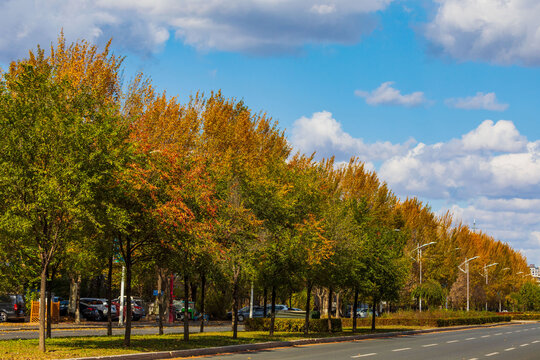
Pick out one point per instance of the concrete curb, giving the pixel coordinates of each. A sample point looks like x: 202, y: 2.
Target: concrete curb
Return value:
x: 275, y: 344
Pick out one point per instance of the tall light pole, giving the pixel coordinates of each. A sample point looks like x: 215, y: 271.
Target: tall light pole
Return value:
x: 466, y: 263
x: 419, y: 249
x: 500, y: 305
x: 486, y: 273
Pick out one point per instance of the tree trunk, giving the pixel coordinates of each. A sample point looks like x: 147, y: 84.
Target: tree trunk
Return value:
x: 186, y: 308
x: 330, y: 295
x: 355, y: 306
x: 374, y: 309
x: 203, y: 290
x: 160, y: 301
x: 265, y: 302
x: 273, y: 311
x: 77, y: 300
x: 308, y: 303
x: 49, y: 305
x: 109, y: 296
x: 127, y: 299
x: 235, y: 305
x: 42, y: 300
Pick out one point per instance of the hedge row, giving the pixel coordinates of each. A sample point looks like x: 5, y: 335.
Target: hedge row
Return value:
x: 525, y: 316
x: 434, y: 322
x: 473, y: 320
x: 292, y: 325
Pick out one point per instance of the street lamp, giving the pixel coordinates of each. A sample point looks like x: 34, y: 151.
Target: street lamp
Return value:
x: 466, y: 263
x: 500, y: 305
x: 419, y: 248
x: 486, y: 273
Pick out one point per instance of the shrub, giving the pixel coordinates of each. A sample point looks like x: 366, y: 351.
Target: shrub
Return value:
x: 292, y: 325
x: 472, y: 320
x: 427, y: 321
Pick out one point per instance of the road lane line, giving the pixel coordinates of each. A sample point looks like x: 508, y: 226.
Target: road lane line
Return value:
x: 497, y: 334
x: 524, y: 345
x: 536, y: 341
x: 473, y: 338
x: 428, y: 345
x: 402, y: 349
x: 493, y: 353
x: 508, y: 332
x: 510, y: 349
x: 451, y: 341
x: 485, y: 336
x: 518, y: 330
x: 362, y: 355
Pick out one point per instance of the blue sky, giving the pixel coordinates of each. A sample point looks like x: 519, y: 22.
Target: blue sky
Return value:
x: 439, y: 96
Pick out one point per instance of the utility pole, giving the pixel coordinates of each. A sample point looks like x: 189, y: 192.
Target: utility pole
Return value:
x: 466, y: 263
x: 486, y: 273
x: 121, y: 317
x: 419, y: 252
x: 251, y: 302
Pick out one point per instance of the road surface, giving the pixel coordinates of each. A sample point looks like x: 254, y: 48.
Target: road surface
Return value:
x: 516, y: 342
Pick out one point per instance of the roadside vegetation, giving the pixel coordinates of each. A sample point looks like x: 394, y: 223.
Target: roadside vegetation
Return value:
x: 97, y: 176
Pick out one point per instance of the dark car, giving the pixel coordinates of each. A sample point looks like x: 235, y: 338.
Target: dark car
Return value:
x: 11, y: 307
x: 243, y: 313
x: 89, y: 312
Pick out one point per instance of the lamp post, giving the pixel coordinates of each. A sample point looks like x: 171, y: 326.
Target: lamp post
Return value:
x: 419, y: 249
x: 466, y: 263
x: 500, y: 307
x: 486, y: 273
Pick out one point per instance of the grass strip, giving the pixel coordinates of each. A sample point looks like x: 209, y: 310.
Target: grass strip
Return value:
x: 73, y: 347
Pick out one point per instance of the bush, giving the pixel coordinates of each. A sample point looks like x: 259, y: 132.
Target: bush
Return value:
x: 427, y: 321
x: 292, y: 325
x: 525, y: 316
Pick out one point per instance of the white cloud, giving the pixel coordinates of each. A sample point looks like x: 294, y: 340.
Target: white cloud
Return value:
x: 321, y: 133
x: 254, y: 26
x: 492, y: 172
x: 480, y: 101
x: 499, y: 31
x: 385, y: 94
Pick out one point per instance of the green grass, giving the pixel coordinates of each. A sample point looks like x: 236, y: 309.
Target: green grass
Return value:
x: 72, y: 347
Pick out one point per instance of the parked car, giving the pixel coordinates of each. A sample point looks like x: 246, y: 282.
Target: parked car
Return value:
x: 243, y: 313
x: 137, y: 308
x: 279, y: 307
x: 102, y: 307
x: 11, y: 307
x: 64, y: 305
x: 89, y: 312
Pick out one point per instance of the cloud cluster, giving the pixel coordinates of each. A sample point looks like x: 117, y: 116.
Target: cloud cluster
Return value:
x: 491, y: 173
x: 480, y: 101
x: 499, y: 31
x: 321, y: 133
x: 253, y: 26
x: 386, y: 94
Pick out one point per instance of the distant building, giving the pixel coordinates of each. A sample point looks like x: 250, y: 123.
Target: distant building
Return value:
x: 535, y: 272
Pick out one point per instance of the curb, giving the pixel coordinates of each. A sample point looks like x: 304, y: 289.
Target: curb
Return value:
x: 275, y: 344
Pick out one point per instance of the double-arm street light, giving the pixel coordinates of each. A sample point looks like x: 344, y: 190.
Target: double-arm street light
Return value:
x: 419, y: 249
x: 486, y: 274
x: 466, y: 271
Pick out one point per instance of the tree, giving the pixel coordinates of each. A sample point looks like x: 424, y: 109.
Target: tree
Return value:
x: 55, y: 141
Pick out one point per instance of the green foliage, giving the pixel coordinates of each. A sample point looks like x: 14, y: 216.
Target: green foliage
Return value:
x: 529, y: 297
x: 413, y: 320
x: 473, y: 320
x: 431, y: 291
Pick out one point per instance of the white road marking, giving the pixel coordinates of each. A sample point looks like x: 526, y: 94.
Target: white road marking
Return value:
x: 362, y: 355
x: 451, y: 341
x: 518, y: 330
x: 525, y: 329
x: 473, y: 338
x: 402, y: 349
x: 510, y: 349
x: 493, y: 353
x: 497, y: 334
x: 536, y: 341
x: 524, y: 345
x: 508, y: 332
x: 428, y: 345
x: 485, y: 336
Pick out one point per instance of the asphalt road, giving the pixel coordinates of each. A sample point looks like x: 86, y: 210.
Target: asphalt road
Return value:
x: 102, y: 331
x: 517, y: 341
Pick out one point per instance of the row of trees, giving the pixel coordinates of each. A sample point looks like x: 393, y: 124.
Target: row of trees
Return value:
x: 93, y: 171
